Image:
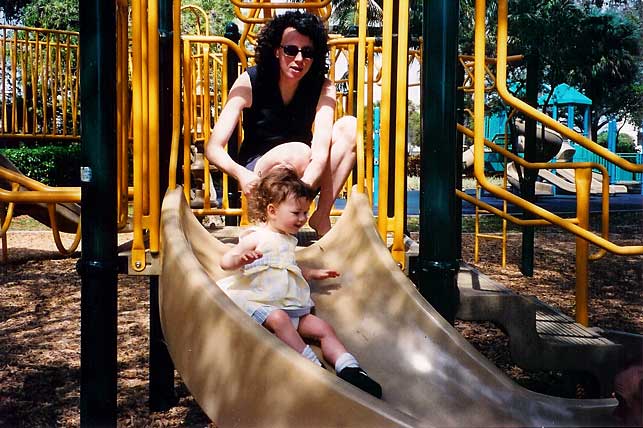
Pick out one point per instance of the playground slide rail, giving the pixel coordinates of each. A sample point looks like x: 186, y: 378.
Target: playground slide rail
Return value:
x: 39, y: 67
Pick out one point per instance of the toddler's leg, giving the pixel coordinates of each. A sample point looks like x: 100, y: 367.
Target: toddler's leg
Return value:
x: 279, y: 323
x: 313, y: 327
x: 346, y: 366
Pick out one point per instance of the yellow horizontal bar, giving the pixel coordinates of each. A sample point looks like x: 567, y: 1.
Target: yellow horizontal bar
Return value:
x: 40, y: 196
x: 486, y: 236
x: 270, y: 5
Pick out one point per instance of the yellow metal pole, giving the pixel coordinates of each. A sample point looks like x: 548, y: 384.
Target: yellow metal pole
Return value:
x: 398, y: 249
x: 152, y: 153
x: 583, y: 184
x: 176, y: 95
x: 122, y: 112
x: 138, y: 244
x: 188, y: 122
x: 385, y: 109
x: 361, y: 68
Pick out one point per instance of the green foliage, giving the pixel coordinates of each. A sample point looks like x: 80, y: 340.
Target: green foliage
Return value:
x: 345, y: 14
x: 51, y: 14
x: 413, y: 166
x: 220, y: 12
x: 624, y: 144
x: 414, y: 126
x: 609, y: 68
x: 54, y: 165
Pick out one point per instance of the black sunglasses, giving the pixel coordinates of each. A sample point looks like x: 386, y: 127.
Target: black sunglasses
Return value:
x: 292, y: 50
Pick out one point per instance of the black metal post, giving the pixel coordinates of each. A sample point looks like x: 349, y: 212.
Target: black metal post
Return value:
x: 528, y: 186
x: 98, y: 263
x: 437, y: 266
x: 161, y: 374
x: 232, y: 33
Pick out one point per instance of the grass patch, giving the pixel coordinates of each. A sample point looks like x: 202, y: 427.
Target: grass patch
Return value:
x: 24, y: 222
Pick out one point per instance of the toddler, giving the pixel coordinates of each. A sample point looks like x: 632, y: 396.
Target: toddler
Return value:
x: 272, y: 288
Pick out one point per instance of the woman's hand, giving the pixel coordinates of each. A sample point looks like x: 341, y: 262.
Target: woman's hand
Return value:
x: 248, y: 181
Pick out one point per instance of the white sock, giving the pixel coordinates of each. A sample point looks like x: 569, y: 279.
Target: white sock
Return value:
x: 345, y: 360
x: 310, y: 354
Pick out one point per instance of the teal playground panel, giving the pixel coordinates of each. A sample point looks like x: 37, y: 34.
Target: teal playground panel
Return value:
x: 617, y: 175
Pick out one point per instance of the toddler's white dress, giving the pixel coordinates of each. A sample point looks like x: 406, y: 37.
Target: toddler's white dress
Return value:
x: 274, y: 281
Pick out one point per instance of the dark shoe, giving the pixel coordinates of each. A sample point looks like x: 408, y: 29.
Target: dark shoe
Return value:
x: 358, y: 377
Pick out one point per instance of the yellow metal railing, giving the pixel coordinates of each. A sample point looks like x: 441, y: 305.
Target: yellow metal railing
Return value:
x: 359, y: 74
x: 205, y: 91
x: 39, y: 83
x: 145, y: 117
x: 385, y: 222
x: 580, y: 225
x: 200, y: 17
x: 25, y: 190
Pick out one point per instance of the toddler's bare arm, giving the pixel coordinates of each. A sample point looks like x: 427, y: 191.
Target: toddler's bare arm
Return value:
x: 241, y: 254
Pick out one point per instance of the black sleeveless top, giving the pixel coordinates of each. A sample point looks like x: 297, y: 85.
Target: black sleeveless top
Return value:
x: 269, y: 122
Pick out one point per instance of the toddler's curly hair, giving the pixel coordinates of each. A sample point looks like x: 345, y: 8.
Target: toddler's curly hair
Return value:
x: 273, y: 188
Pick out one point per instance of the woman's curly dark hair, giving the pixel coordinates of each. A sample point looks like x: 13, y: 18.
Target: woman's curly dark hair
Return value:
x: 269, y: 39
x: 273, y: 188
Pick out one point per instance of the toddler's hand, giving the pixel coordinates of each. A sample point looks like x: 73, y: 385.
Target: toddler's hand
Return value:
x: 319, y: 274
x: 250, y: 256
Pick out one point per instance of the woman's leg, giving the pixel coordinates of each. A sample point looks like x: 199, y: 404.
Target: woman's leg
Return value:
x: 340, y: 165
x: 313, y: 327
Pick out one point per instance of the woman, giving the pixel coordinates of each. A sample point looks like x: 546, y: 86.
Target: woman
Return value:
x: 288, y: 108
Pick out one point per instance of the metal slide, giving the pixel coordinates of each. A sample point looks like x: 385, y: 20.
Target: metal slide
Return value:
x: 67, y: 214
x: 243, y: 376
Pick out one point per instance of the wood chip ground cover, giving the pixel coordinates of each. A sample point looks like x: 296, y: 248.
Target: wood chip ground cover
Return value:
x: 40, y: 325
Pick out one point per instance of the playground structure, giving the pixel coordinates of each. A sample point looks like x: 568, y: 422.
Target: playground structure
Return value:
x: 150, y: 127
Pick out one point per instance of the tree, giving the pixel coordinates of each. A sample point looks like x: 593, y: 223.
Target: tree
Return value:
x: 220, y: 12
x: 344, y: 14
x: 558, y: 32
x: 11, y: 9
x: 50, y: 14
x: 624, y: 143
x: 610, y: 68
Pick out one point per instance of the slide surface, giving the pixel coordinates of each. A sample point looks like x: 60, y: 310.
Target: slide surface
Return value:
x: 67, y: 214
x: 243, y: 376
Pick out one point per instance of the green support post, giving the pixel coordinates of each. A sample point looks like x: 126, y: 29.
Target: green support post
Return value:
x: 161, y: 374
x: 435, y: 272
x: 528, y: 185
x: 232, y: 70
x: 98, y: 262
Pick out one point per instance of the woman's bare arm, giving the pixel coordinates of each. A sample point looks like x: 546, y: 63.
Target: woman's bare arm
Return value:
x: 241, y: 254
x: 240, y: 97
x: 320, y: 146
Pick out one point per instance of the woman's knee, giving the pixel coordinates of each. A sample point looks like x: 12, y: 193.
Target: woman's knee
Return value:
x: 345, y: 132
